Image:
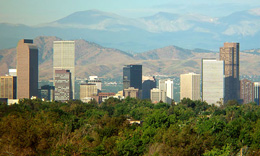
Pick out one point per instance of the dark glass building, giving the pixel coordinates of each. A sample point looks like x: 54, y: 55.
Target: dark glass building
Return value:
x: 132, y: 77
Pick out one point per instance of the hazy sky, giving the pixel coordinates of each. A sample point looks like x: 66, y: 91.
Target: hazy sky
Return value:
x: 33, y: 12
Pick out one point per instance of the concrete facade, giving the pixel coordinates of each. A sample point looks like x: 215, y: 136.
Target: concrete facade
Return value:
x: 246, y: 91
x: 131, y: 92
x: 8, y: 86
x: 63, y: 87
x: 27, y: 69
x: 64, y: 59
x: 213, y: 81
x: 190, y: 86
x: 167, y: 86
x: 88, y: 90
x: 158, y: 95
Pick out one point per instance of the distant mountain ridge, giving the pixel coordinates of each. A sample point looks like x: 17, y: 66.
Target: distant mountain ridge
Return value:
x: 93, y: 59
x: 143, y: 34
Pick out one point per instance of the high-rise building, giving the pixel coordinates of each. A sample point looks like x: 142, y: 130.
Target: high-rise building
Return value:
x: 247, y: 91
x: 96, y: 81
x: 158, y: 95
x: 63, y: 87
x: 64, y: 59
x: 8, y: 87
x: 132, y: 77
x: 149, y: 82
x: 257, y: 92
x: 190, y: 86
x: 88, y: 90
x: 230, y: 55
x: 213, y: 74
x: 47, y: 92
x: 27, y: 69
x: 167, y: 86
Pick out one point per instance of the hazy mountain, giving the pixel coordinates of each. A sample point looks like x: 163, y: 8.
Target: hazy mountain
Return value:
x: 93, y: 59
x: 143, y: 34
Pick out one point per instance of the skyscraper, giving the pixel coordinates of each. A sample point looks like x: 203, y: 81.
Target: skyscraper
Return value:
x: 27, y: 69
x: 64, y: 59
x: 167, y: 86
x: 190, y: 86
x: 213, y: 73
x: 247, y: 91
x: 132, y: 77
x: 230, y: 55
x: 63, y: 87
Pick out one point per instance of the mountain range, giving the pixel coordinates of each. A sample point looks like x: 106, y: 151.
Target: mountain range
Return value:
x: 93, y: 59
x: 135, y: 35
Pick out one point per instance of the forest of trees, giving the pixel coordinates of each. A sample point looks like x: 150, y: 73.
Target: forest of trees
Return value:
x: 35, y: 127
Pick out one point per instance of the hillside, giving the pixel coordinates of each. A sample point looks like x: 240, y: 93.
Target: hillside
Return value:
x: 143, y: 34
x: 93, y: 59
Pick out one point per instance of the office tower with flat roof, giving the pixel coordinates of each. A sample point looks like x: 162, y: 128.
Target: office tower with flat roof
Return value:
x: 8, y: 87
x: 132, y: 77
x: 190, y: 86
x: 64, y: 59
x: 149, y: 82
x: 213, y: 81
x: 257, y: 92
x: 96, y: 81
x: 63, y: 86
x: 246, y: 91
x: 158, y: 95
x: 230, y: 55
x: 27, y: 69
x: 167, y: 86
x: 88, y: 90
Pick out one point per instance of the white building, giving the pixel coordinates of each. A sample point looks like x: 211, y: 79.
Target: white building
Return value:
x: 158, y: 95
x: 64, y: 59
x: 167, y: 86
x: 190, y: 86
x: 213, y: 79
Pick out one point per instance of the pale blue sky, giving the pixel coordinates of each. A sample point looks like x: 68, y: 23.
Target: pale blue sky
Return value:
x: 33, y: 12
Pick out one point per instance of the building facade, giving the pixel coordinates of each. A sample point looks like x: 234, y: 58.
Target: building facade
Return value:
x: 167, y: 86
x: 47, y: 92
x: 27, y: 69
x: 149, y: 82
x: 96, y: 81
x: 63, y: 86
x: 190, y: 86
x: 8, y: 87
x: 230, y: 55
x: 158, y: 95
x: 246, y: 91
x: 257, y: 92
x: 213, y: 81
x: 131, y: 92
x: 88, y: 90
x: 64, y: 59
x: 132, y: 77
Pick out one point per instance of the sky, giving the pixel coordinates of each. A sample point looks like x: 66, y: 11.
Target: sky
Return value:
x: 34, y: 12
